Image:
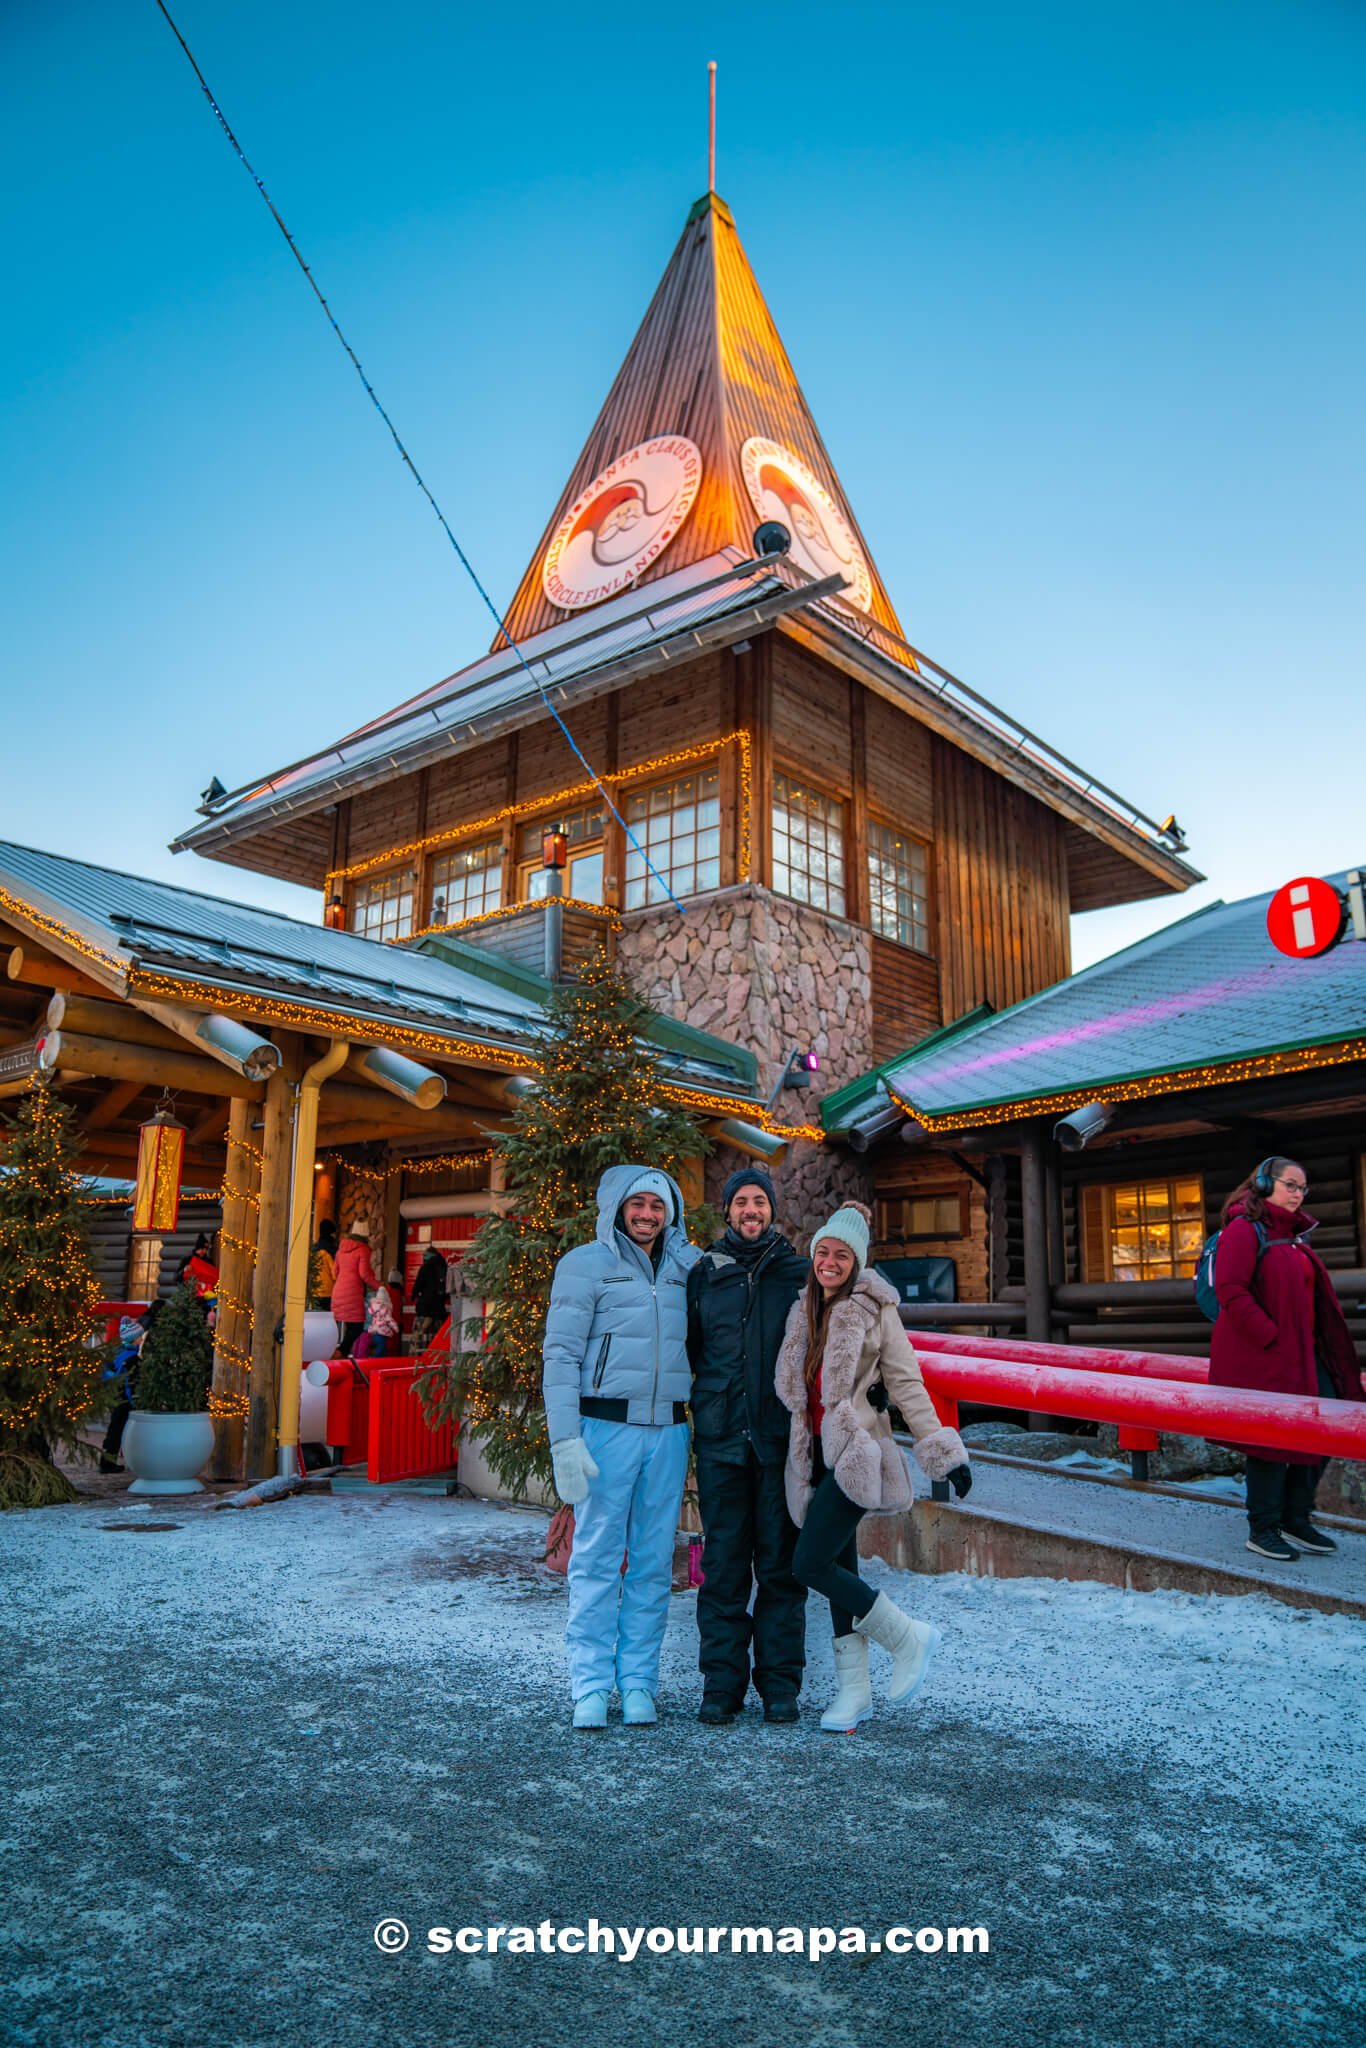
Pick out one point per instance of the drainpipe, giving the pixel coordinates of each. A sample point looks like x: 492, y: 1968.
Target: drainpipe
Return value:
x: 296, y: 1265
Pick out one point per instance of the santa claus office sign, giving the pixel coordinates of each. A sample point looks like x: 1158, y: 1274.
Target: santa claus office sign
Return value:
x: 1307, y: 916
x: 622, y: 522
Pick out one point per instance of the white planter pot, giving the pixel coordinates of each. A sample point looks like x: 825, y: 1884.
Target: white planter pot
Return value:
x: 320, y: 1334
x: 167, y: 1452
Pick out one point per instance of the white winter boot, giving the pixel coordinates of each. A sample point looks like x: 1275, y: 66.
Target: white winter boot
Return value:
x: 591, y: 1710
x: 912, y: 1644
x: 854, y: 1700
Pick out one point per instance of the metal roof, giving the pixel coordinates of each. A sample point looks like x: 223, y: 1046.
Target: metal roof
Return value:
x: 1207, y: 991
x: 706, y: 604
x: 441, y: 985
x: 184, y: 934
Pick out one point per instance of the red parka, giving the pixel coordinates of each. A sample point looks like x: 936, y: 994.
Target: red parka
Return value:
x: 1278, y: 1316
x: 354, y: 1274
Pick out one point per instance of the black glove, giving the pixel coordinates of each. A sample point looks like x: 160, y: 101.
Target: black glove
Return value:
x: 960, y: 1479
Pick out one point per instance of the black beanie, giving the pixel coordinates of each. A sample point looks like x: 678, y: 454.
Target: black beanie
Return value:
x: 745, y: 1177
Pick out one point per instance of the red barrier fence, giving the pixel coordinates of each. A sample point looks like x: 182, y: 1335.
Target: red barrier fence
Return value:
x: 374, y: 1414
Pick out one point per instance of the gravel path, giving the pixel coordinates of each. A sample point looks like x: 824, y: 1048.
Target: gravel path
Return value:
x: 236, y: 1746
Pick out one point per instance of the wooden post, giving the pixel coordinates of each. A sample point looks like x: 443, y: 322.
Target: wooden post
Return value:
x: 1034, y: 1204
x: 268, y: 1294
x: 1057, y: 1240
x: 232, y: 1335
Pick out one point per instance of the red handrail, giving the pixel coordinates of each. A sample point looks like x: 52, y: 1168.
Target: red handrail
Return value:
x: 1148, y: 1365
x: 1300, y: 1422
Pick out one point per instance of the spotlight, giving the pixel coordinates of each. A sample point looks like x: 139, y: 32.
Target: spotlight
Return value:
x: 772, y: 538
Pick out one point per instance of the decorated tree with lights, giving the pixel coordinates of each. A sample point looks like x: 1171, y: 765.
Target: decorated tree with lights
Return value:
x: 598, y: 1103
x: 50, y: 1376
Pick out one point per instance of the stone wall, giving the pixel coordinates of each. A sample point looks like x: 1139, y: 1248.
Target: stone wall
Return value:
x: 764, y: 972
x: 768, y: 974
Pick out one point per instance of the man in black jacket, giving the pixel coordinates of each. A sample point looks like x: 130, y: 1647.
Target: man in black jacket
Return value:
x: 739, y: 1294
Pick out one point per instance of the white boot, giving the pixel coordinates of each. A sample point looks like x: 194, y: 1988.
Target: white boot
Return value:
x: 591, y: 1710
x: 912, y: 1644
x: 638, y: 1708
x: 854, y: 1700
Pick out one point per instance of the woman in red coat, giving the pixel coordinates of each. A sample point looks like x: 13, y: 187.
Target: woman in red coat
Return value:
x: 353, y: 1277
x: 1280, y: 1329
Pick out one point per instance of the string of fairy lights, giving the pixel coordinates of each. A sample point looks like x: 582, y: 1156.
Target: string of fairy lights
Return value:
x: 412, y: 850
x: 48, y: 1129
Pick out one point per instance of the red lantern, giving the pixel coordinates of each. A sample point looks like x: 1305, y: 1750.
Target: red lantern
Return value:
x: 554, y: 849
x: 161, y: 1156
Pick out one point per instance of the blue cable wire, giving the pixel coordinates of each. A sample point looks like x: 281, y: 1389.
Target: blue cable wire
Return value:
x: 412, y: 467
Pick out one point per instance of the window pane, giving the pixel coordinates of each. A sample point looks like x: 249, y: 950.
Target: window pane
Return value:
x: 585, y: 877
x: 808, y: 841
x: 1147, y: 1242
x: 665, y: 819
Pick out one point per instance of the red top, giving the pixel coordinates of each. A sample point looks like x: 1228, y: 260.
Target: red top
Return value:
x: 815, y: 1407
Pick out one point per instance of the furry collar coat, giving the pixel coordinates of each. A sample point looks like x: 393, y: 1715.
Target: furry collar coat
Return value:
x: 864, y: 1343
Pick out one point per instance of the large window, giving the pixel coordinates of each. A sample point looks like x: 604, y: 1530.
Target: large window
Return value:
x: 467, y: 883
x: 382, y: 905
x: 898, y: 886
x: 928, y: 1213
x: 1151, y: 1229
x: 678, y: 824
x: 808, y: 845
x: 583, y: 876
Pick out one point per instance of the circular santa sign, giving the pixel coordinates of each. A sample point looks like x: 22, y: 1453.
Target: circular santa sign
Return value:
x: 782, y: 487
x: 1304, y: 918
x: 622, y: 522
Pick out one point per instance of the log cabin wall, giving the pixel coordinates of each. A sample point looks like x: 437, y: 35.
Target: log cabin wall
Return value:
x: 1332, y: 1152
x: 932, y: 1176
x: 1001, y: 887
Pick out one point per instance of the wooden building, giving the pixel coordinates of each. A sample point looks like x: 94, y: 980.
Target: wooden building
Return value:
x: 1070, y: 1155
x: 315, y: 1072
x: 816, y: 837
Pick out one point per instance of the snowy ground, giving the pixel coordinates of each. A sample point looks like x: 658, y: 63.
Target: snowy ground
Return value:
x: 235, y: 1747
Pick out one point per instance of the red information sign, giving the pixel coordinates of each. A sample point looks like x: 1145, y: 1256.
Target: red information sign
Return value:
x: 1304, y: 917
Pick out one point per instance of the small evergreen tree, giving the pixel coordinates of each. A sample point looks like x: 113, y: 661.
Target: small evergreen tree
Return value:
x: 176, y: 1365
x: 597, y: 1104
x: 50, y: 1373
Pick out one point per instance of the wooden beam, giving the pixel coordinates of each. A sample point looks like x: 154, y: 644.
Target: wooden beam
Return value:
x: 331, y: 1136
x: 28, y: 964
x: 102, y: 1018
x: 237, y: 1260
x: 268, y: 1292
x: 112, y: 1104
x: 212, y: 1125
x: 150, y: 1066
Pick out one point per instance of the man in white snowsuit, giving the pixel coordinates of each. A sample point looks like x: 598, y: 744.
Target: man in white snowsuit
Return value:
x: 616, y: 1385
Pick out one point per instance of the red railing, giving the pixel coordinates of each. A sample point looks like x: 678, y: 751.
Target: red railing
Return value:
x: 1105, y: 1387
x: 375, y: 1416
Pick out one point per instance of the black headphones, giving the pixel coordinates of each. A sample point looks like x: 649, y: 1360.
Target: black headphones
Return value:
x: 1263, y: 1181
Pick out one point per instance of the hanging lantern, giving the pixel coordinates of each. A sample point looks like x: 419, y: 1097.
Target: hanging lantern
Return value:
x: 161, y: 1155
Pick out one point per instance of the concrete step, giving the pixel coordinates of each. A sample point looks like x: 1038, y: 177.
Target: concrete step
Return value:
x: 1027, y: 1521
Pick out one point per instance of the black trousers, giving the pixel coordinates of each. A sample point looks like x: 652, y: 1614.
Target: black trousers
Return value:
x: 1281, y: 1496
x: 826, y: 1557
x: 748, y: 1538
x: 349, y: 1334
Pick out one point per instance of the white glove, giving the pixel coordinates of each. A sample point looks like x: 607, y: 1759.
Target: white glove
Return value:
x: 573, y: 1470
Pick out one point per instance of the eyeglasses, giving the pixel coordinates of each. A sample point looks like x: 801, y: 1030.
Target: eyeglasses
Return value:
x: 1292, y: 1187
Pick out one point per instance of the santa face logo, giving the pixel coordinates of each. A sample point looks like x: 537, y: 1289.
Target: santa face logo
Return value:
x: 781, y: 487
x: 622, y: 522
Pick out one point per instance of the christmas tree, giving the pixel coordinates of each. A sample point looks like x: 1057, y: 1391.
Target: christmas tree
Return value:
x: 597, y: 1104
x: 50, y: 1375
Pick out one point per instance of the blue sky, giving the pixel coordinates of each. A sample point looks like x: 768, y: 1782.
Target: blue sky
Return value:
x: 1075, y: 292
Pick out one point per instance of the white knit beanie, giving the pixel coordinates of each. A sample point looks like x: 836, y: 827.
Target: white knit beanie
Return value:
x: 651, y: 1182
x: 850, y: 1225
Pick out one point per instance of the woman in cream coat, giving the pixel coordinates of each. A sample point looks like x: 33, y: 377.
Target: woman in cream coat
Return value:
x: 843, y: 1343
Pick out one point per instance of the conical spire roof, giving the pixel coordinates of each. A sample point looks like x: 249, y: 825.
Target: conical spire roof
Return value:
x: 707, y: 367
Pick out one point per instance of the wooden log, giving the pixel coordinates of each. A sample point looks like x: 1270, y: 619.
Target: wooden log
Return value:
x: 112, y: 1104
x: 237, y: 1260
x: 152, y: 1066
x: 99, y: 1017
x: 28, y: 964
x: 268, y: 1293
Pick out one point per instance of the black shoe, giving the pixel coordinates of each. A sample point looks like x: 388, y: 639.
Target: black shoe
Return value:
x: 1304, y: 1536
x: 1270, y: 1543
x: 781, y: 1710
x: 717, y: 1713
x: 108, y: 1464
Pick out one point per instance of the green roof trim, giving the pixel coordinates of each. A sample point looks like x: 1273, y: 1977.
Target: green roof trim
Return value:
x: 839, y: 1109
